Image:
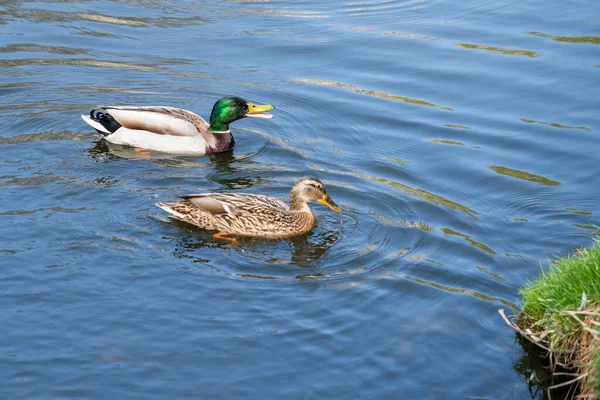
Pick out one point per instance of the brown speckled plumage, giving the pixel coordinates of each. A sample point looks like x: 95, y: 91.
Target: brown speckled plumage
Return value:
x: 246, y: 214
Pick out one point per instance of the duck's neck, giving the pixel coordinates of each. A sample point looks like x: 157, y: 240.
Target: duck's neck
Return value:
x: 218, y: 128
x: 297, y: 204
x: 217, y: 124
x: 219, y: 142
x: 301, y: 213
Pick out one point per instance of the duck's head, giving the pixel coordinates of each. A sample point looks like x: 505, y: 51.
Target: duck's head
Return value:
x: 308, y: 189
x: 232, y: 108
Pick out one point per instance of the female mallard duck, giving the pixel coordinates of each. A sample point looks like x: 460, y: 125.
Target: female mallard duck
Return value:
x: 174, y: 130
x: 255, y: 215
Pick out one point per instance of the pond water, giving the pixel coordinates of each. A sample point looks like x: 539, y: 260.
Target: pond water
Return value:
x: 461, y: 139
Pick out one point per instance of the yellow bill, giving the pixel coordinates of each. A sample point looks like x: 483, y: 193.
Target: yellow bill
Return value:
x: 259, y: 110
x: 326, y: 200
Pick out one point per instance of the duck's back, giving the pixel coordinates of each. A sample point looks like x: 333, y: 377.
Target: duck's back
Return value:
x: 243, y: 214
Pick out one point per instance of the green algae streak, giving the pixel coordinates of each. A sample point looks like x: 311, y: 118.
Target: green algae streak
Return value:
x: 500, y: 50
x: 526, y: 176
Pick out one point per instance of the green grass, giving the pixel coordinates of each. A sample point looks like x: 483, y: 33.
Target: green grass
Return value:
x: 559, y: 290
x: 560, y: 287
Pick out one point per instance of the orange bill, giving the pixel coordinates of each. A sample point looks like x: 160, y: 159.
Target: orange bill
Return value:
x: 326, y: 200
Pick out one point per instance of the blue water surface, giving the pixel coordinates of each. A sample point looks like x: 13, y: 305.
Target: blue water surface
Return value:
x: 461, y: 139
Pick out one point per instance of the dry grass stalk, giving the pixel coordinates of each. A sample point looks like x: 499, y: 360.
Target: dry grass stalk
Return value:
x: 578, y: 357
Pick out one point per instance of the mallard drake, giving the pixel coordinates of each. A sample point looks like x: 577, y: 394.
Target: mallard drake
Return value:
x: 174, y: 130
x: 244, y: 214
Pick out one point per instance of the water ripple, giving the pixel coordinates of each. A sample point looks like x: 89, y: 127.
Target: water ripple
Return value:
x: 370, y: 92
x: 445, y: 214
x: 555, y: 124
x: 568, y: 39
x: 420, y: 193
x: 46, y: 136
x: 526, y: 176
x: 36, y: 48
x: 500, y: 50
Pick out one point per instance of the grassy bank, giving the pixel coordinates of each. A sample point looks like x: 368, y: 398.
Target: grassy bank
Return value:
x: 561, y: 313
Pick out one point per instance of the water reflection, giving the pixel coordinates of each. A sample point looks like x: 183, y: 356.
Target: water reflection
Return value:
x: 526, y: 176
x: 407, y: 224
x: 375, y: 93
x: 420, y: 193
x: 36, y: 48
x: 407, y: 207
x: 492, y: 274
x: 532, y: 365
x: 373, y: 29
x: 101, y: 34
x: 257, y: 258
x: 444, y: 141
x: 395, y: 160
x: 37, y: 179
x: 309, y: 248
x: 579, y: 212
x: 224, y: 169
x: 47, y: 109
x: 223, y: 172
x: 45, y: 136
x: 456, y: 126
x: 278, y: 141
x: 456, y: 290
x: 79, y: 62
x: 366, y: 7
x: 500, y: 50
x: 421, y: 258
x: 51, y: 211
x: 113, y: 20
x: 37, y: 15
x: 554, y: 124
x: 472, y: 242
x: 568, y: 39
x: 593, y: 230
x: 409, y: 35
x: 106, y: 151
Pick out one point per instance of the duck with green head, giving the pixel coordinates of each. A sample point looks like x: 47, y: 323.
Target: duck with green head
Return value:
x: 174, y: 130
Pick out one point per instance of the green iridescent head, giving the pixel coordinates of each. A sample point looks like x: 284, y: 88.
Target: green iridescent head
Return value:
x: 232, y: 108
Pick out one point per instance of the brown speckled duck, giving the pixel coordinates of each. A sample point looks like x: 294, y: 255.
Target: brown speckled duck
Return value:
x: 174, y: 130
x: 244, y: 214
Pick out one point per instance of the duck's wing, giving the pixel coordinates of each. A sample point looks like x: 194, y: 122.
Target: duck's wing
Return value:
x: 159, y: 120
x: 211, y: 205
x: 234, y: 204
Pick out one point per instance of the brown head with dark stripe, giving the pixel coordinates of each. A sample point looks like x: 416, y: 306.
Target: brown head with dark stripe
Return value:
x: 308, y: 189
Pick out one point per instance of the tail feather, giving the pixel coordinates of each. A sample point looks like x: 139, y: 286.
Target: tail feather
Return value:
x: 97, y: 126
x: 102, y: 122
x: 167, y: 208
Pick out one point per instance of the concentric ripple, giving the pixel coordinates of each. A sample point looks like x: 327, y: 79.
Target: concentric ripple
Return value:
x: 371, y: 246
